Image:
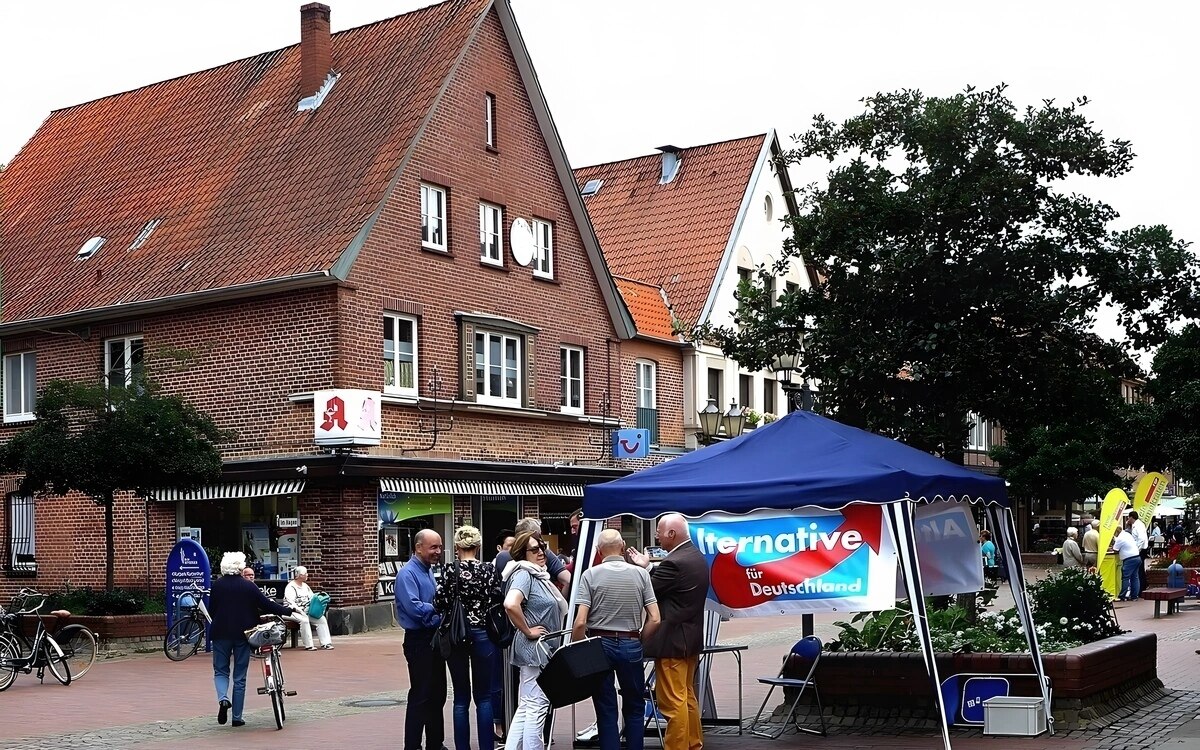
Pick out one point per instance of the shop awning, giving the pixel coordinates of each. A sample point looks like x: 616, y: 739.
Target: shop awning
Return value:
x: 474, y: 487
x: 232, y: 491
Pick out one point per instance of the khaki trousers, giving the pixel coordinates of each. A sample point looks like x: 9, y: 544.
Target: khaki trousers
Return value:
x: 675, y: 691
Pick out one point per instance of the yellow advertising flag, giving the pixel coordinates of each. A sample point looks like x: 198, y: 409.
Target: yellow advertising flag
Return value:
x: 1147, y: 493
x: 1111, y: 510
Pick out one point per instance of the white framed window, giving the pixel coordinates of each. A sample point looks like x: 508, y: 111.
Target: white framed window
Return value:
x: 980, y: 438
x: 489, y: 120
x: 400, y: 355
x: 433, y: 217
x: 20, y: 386
x: 543, y: 259
x: 491, y: 234
x: 571, y: 378
x: 123, y: 361
x: 647, y: 384
x: 498, y: 359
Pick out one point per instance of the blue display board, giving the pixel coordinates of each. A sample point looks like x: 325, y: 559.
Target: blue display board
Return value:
x: 631, y: 443
x: 187, y: 564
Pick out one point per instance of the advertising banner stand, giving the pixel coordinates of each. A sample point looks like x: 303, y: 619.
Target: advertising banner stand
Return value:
x: 187, y: 564
x: 805, y: 461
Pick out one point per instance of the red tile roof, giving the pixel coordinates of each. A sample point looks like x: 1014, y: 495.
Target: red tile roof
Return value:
x: 672, y: 235
x: 650, y: 312
x: 248, y: 189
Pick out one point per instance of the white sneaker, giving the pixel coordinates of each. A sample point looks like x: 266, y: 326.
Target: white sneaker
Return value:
x: 588, y: 734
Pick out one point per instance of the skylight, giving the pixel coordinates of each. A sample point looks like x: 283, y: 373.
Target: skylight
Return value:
x: 145, y: 233
x: 90, y: 248
x: 591, y: 187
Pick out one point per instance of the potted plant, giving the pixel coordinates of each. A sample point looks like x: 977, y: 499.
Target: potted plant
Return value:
x: 752, y: 419
x: 768, y: 417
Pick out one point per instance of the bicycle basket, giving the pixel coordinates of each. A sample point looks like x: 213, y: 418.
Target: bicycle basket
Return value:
x: 187, y: 600
x: 267, y: 634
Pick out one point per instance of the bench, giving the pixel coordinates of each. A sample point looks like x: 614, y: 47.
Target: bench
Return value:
x: 1159, y: 595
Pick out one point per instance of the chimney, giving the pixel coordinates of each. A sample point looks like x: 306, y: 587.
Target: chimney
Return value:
x: 671, y: 159
x: 316, y: 58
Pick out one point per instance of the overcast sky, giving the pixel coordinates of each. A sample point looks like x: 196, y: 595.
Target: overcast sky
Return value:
x: 625, y: 76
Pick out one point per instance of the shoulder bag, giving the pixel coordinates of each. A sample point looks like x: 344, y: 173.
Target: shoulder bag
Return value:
x: 452, y: 632
x: 500, y: 629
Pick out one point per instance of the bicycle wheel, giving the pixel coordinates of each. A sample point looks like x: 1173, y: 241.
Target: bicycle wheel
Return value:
x: 56, y: 661
x: 183, y: 639
x: 277, y: 695
x: 9, y: 653
x: 79, y: 646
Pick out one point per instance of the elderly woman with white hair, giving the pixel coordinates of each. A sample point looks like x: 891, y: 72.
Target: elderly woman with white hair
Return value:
x: 476, y: 584
x: 298, y: 595
x: 235, y: 604
x: 1072, y: 554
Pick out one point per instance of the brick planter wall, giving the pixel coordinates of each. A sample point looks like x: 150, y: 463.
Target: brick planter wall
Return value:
x: 1085, y: 680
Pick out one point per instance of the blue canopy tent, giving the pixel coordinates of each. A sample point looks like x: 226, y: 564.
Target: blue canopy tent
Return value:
x: 806, y: 460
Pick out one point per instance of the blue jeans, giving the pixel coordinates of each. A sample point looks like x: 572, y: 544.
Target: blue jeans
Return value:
x: 426, y: 692
x: 223, y: 650
x: 625, y: 654
x: 473, y: 664
x: 1131, y: 586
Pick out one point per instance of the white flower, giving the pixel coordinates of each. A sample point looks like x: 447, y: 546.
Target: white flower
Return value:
x: 1062, y: 621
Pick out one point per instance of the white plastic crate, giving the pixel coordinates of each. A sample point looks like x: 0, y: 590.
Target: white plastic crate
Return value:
x: 1014, y: 715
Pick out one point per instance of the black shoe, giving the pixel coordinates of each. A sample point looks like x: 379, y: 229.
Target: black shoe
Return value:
x: 239, y: 723
x: 223, y: 711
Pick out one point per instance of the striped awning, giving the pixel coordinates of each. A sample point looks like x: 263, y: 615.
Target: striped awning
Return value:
x: 473, y: 487
x: 232, y: 491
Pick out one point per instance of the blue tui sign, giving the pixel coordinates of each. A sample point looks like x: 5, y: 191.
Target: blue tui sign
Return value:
x: 630, y: 443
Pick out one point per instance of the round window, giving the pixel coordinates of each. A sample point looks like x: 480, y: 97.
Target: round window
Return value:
x: 768, y: 209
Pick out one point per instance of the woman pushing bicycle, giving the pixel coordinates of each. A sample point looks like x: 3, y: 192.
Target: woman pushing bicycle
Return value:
x: 235, y: 605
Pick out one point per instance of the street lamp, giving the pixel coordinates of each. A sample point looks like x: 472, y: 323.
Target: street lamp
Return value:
x: 786, y: 366
x: 716, y: 426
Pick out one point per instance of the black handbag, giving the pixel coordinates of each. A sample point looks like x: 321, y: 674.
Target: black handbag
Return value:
x: 500, y: 629
x: 452, y: 632
x: 574, y: 671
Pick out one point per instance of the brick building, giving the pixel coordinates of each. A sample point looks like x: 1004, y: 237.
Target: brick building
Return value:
x: 387, y: 208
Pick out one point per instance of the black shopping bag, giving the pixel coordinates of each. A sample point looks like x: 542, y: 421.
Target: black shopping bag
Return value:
x: 574, y: 672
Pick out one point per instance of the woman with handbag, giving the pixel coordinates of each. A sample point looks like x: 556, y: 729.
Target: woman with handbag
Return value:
x: 536, y: 608
x: 299, y: 596
x: 467, y: 589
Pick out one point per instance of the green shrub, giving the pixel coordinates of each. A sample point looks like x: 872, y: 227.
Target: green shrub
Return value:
x: 119, y: 601
x: 1070, y: 608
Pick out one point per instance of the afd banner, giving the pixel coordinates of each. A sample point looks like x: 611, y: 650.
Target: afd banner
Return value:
x: 806, y: 560
x: 947, y: 550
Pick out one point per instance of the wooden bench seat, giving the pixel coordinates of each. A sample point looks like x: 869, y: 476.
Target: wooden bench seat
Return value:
x: 1159, y: 595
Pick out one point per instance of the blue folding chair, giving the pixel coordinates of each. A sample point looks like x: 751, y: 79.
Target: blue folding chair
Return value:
x: 803, y: 658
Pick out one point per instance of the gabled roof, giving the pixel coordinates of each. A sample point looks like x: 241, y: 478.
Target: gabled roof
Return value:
x: 673, y: 235
x: 648, y: 305
x: 252, y: 194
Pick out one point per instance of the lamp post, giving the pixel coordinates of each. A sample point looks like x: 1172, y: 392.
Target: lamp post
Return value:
x: 715, y: 426
x: 801, y: 396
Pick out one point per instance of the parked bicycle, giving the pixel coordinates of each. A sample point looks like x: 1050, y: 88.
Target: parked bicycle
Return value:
x: 77, y: 641
x: 19, y: 653
x: 187, y: 632
x: 266, y: 640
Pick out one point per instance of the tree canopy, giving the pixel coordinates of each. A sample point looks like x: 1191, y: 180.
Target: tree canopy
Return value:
x: 101, y: 441
x: 1164, y: 430
x: 959, y: 275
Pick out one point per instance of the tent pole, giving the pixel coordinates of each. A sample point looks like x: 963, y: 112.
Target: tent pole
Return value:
x: 900, y: 521
x: 1007, y: 530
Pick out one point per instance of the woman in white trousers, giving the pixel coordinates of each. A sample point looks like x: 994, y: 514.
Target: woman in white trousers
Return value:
x: 298, y: 595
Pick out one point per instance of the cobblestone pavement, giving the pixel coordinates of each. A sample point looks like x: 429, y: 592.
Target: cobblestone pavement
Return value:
x: 145, y: 701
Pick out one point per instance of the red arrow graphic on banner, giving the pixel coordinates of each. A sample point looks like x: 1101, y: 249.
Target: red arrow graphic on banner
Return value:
x: 731, y: 583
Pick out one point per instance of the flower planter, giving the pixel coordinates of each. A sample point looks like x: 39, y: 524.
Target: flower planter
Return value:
x: 1088, y: 681
x: 114, y: 633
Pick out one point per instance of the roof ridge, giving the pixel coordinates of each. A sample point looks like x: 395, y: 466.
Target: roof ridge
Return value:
x: 239, y: 60
x: 684, y: 148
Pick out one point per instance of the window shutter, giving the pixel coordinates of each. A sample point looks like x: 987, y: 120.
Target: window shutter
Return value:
x: 530, y: 357
x: 468, y: 361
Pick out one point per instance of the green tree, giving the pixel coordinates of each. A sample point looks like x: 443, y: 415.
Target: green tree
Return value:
x: 958, y: 275
x: 101, y: 441
x: 1164, y: 431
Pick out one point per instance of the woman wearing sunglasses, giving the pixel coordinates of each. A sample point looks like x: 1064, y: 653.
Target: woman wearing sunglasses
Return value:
x: 535, y: 607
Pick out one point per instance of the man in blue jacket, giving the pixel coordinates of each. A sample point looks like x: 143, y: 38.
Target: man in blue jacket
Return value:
x: 426, y: 670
